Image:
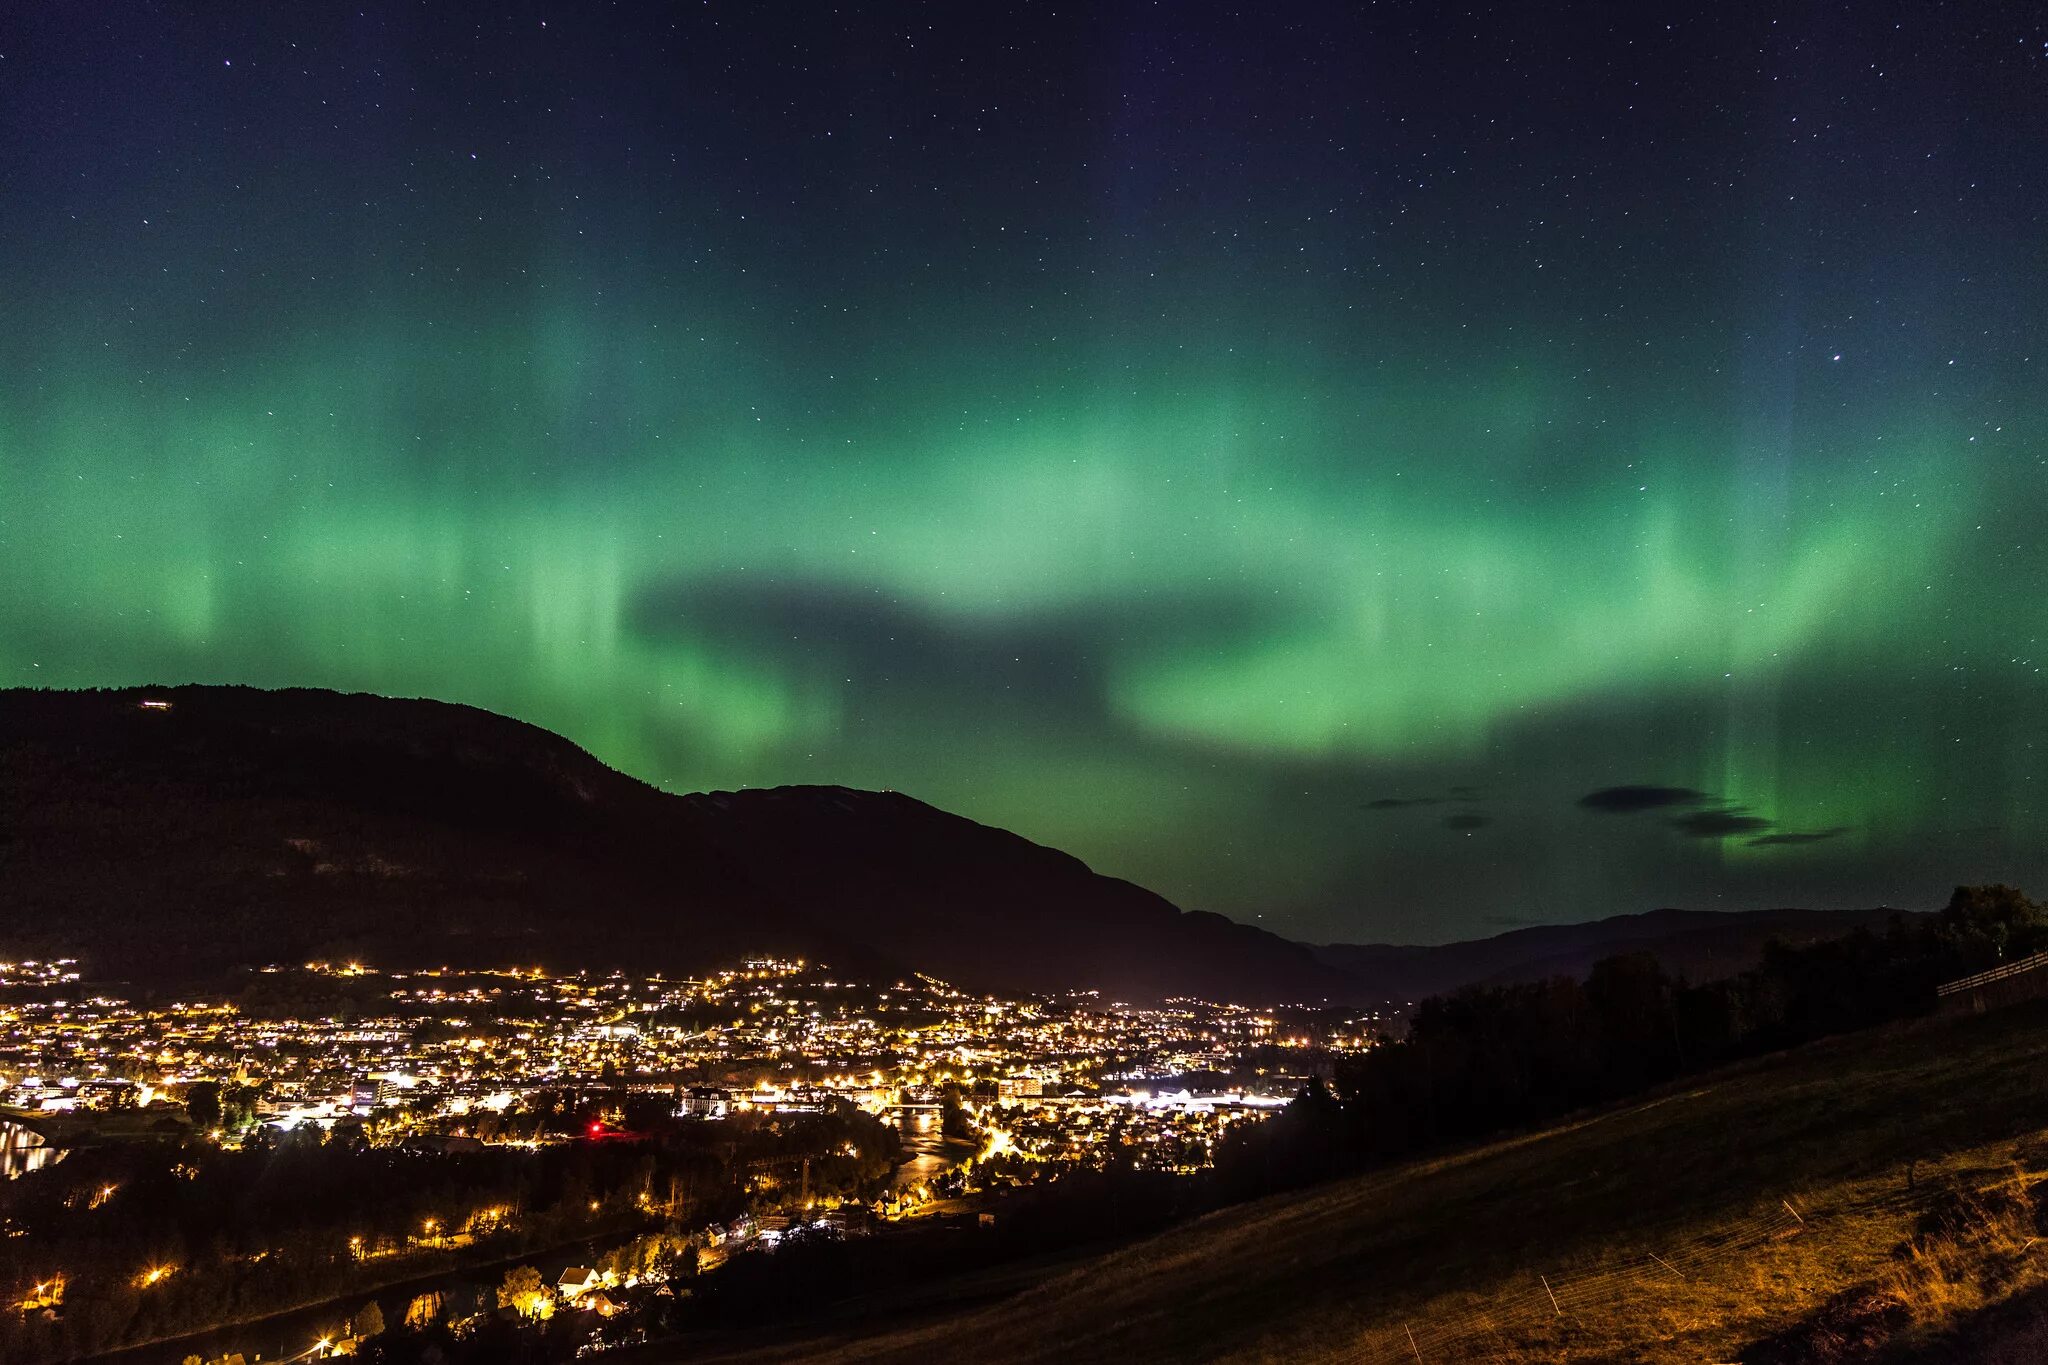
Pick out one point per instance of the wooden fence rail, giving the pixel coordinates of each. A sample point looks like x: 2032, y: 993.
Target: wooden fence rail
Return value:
x: 2000, y: 973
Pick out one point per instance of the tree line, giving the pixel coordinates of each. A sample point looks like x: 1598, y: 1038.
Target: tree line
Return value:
x: 1487, y: 1059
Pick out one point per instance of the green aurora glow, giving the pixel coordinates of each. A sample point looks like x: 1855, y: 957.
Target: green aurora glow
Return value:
x: 1176, y: 563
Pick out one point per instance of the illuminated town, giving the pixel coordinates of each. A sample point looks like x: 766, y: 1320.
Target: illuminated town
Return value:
x: 967, y: 1100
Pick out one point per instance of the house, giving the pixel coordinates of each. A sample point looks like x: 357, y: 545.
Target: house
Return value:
x: 577, y: 1279
x: 707, y: 1102
x: 600, y: 1303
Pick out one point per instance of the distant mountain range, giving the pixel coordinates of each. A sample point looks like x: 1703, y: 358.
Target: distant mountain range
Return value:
x: 173, y: 833
x: 1701, y: 945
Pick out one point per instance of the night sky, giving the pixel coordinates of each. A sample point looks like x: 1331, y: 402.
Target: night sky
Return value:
x: 1374, y: 471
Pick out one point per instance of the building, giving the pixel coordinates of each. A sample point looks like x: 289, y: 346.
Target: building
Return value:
x: 369, y: 1092
x: 706, y: 1102
x: 577, y: 1279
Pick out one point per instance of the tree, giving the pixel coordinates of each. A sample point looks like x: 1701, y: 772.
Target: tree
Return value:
x: 953, y: 1120
x: 238, y: 1107
x: 672, y: 1261
x: 1994, y: 921
x: 202, y: 1102
x: 370, y: 1321
x: 522, y: 1291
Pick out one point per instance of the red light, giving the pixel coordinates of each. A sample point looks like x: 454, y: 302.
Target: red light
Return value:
x: 596, y: 1128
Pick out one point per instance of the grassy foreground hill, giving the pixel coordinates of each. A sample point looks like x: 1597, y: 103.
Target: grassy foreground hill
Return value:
x: 1870, y: 1197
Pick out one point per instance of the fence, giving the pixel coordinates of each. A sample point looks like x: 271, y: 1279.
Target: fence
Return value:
x: 1999, y: 973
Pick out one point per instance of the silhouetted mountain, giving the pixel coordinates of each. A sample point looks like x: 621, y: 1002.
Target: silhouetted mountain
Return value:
x: 1701, y: 945
x: 239, y: 826
x: 963, y: 901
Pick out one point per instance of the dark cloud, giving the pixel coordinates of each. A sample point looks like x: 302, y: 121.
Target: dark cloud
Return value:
x: 1721, y: 822
x: 1627, y: 800
x: 873, y: 639
x: 1716, y: 819
x: 1800, y: 836
x: 1467, y: 820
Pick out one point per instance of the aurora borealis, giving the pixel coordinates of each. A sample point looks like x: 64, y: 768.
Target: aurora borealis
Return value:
x: 1287, y: 462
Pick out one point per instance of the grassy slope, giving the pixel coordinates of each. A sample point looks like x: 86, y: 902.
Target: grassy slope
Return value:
x: 1441, y: 1246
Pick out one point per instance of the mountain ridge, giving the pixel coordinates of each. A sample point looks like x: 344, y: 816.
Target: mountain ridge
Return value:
x: 225, y: 826
x: 1700, y: 944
